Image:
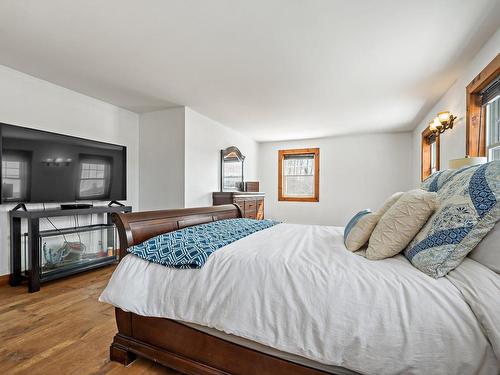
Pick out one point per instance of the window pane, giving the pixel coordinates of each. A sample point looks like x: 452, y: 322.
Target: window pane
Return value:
x: 94, y: 180
x: 301, y: 167
x: 91, y: 188
x: 15, y: 175
x: 12, y: 188
x: 493, y: 127
x: 12, y: 172
x: 298, y: 176
x: 298, y: 186
x: 433, y: 158
x: 494, y: 153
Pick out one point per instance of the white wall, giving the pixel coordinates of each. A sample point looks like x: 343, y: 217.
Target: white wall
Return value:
x: 31, y: 102
x: 356, y: 172
x: 204, y: 140
x: 453, y: 141
x: 161, y: 159
x: 180, y: 158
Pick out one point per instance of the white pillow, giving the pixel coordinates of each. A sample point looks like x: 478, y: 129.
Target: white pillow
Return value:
x: 401, y: 223
x: 358, y: 235
x: 487, y: 252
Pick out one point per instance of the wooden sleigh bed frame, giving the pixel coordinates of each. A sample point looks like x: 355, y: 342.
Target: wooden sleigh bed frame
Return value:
x: 171, y: 343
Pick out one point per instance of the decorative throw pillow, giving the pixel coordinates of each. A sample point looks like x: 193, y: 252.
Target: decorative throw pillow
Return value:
x: 487, y: 252
x: 354, y: 220
x: 361, y: 226
x: 437, y: 180
x: 468, y: 209
x: 432, y: 179
x: 401, y: 223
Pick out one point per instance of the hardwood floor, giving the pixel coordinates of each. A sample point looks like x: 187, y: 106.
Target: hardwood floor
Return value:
x: 62, y: 329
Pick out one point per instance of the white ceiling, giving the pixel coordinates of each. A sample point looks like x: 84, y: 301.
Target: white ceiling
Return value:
x: 273, y: 69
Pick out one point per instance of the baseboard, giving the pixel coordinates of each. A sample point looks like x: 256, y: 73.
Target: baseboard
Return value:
x: 4, y: 280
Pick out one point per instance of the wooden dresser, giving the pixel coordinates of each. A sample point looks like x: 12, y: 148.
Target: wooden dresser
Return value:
x: 250, y: 204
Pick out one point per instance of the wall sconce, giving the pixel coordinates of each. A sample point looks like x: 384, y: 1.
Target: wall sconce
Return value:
x: 57, y: 162
x: 443, y: 120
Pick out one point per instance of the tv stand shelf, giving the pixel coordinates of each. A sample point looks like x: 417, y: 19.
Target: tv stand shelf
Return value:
x: 69, y: 230
x: 53, y: 243
x: 78, y: 211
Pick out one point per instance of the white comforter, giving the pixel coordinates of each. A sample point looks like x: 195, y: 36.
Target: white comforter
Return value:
x: 297, y: 289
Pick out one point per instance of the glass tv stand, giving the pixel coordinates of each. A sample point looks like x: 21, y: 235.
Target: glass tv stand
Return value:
x: 58, y: 252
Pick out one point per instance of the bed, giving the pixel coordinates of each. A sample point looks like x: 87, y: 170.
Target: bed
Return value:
x: 291, y: 300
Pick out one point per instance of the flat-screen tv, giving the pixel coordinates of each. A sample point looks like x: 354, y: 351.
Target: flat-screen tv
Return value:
x: 39, y: 166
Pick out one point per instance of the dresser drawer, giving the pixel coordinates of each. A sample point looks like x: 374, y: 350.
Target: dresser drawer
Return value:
x: 250, y: 205
x: 250, y: 209
x: 250, y: 215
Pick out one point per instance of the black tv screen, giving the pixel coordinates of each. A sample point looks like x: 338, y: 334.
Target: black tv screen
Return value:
x: 39, y: 166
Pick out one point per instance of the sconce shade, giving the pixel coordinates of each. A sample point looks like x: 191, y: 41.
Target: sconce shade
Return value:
x: 437, y: 123
x: 466, y: 162
x: 432, y: 127
x: 444, y: 116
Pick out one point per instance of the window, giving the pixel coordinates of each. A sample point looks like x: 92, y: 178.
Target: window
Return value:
x: 430, y: 158
x: 491, y: 98
x: 15, y: 175
x: 298, y: 175
x: 94, y: 179
x: 482, y: 112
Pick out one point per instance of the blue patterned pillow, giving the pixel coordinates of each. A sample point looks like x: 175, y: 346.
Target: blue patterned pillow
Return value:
x: 437, y: 180
x: 432, y: 179
x: 469, y: 202
x: 352, y: 223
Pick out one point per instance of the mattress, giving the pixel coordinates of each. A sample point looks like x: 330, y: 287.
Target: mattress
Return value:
x: 296, y: 289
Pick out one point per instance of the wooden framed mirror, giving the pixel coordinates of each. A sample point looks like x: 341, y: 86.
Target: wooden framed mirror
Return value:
x: 232, y: 169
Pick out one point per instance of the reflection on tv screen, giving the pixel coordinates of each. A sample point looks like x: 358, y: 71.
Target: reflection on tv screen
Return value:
x: 40, y: 166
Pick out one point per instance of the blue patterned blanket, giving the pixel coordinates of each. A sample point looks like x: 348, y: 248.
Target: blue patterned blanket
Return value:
x: 190, y: 247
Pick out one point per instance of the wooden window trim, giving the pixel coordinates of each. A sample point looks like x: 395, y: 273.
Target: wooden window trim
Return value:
x: 425, y: 158
x: 475, y: 142
x: 298, y: 151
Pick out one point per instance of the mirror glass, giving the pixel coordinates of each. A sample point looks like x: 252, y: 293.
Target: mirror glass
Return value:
x: 232, y: 169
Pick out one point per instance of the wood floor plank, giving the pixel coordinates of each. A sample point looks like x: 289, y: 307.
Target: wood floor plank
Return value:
x: 62, y: 329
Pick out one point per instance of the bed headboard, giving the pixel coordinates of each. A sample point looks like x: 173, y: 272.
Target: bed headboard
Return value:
x: 136, y: 227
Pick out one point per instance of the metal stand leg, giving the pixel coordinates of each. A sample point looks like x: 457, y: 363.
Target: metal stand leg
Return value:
x: 34, y: 255
x: 15, y: 251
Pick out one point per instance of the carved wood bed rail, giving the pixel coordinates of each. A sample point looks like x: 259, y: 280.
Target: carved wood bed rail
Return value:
x: 172, y: 343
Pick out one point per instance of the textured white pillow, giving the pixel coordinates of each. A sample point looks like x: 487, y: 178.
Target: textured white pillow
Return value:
x: 401, y: 223
x: 360, y: 233
x: 487, y: 252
